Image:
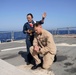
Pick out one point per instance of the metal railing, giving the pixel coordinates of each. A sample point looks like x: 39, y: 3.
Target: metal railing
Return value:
x: 6, y: 36
x: 62, y: 31
x: 18, y: 35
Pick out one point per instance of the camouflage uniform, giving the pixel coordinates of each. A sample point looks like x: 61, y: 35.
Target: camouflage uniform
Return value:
x: 47, y: 48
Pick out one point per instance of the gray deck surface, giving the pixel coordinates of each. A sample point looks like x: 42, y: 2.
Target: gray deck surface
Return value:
x: 66, y: 55
x: 8, y: 69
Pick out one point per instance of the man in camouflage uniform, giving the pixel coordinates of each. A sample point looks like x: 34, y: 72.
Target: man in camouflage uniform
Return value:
x: 43, y: 44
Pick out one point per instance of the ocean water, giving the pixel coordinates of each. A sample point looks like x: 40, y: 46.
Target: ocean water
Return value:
x: 7, y: 36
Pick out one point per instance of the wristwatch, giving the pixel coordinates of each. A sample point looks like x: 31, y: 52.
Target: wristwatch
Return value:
x: 43, y: 18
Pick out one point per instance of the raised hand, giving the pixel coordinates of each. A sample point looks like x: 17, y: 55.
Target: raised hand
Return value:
x: 44, y: 15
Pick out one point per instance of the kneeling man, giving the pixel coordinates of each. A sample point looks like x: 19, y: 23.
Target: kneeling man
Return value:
x: 43, y: 44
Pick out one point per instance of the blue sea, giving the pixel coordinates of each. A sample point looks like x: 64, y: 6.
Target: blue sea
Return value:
x: 7, y: 36
x: 18, y: 35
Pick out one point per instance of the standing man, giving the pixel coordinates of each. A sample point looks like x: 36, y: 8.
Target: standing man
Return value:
x: 44, y: 45
x: 29, y: 31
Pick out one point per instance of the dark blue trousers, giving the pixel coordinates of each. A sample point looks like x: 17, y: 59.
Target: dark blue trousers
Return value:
x: 29, y: 43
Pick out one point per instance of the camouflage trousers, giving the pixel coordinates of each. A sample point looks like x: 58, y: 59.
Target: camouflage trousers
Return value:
x: 47, y: 58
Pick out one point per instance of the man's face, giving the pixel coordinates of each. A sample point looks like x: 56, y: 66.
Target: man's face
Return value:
x: 29, y: 18
x: 38, y: 29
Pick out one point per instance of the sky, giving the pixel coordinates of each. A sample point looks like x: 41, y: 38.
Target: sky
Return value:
x: 60, y: 13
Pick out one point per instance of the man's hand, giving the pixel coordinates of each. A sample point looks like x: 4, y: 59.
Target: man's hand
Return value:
x: 29, y: 31
x: 36, y: 48
x: 44, y: 15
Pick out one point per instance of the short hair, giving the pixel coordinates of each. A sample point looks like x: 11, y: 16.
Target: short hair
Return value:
x: 30, y: 15
x: 36, y: 24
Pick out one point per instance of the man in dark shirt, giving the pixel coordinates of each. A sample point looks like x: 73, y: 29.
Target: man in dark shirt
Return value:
x: 29, y: 31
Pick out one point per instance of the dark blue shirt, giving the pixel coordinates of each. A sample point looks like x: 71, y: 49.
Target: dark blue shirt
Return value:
x: 28, y: 27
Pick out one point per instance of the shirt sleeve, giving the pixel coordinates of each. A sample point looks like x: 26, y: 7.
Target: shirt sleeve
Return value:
x: 41, y: 22
x: 51, y: 47
x: 35, y: 41
x: 24, y: 28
